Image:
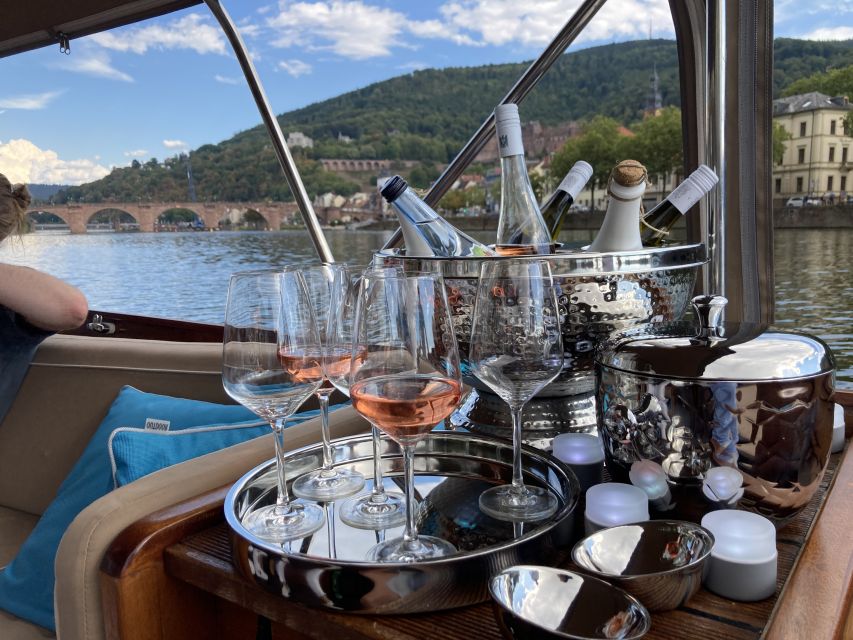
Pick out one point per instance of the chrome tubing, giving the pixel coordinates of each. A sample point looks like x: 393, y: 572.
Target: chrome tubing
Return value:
x: 520, y: 89
x: 288, y: 166
x: 714, y: 229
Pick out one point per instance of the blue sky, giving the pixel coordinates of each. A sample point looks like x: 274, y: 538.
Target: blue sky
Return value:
x: 170, y: 84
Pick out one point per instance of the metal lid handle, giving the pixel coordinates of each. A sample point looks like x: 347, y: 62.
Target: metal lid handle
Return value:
x: 709, y: 315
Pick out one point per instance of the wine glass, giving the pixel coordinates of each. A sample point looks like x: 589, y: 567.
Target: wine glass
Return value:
x: 270, y: 364
x: 327, y: 285
x: 379, y: 509
x: 405, y: 379
x: 516, y: 349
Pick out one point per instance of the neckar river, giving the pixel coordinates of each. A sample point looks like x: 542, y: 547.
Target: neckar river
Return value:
x: 185, y: 275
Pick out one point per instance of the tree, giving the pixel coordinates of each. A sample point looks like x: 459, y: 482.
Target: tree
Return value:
x: 599, y: 144
x: 780, y: 136
x: 657, y: 143
x: 835, y: 82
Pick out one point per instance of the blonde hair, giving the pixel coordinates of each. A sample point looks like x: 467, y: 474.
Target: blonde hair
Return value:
x: 14, y: 201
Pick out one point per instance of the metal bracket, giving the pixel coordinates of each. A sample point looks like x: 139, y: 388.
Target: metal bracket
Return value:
x: 97, y: 325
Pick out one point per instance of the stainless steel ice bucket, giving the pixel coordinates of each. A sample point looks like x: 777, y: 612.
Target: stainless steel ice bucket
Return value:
x: 601, y: 293
x: 694, y: 397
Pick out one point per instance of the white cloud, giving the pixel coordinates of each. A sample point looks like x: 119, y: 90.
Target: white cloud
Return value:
x: 22, y: 161
x: 413, y: 66
x: 174, y: 144
x: 502, y: 22
x: 830, y: 33
x: 95, y: 63
x: 30, y: 101
x: 226, y: 79
x: 351, y: 29
x: 295, y: 67
x: 192, y: 31
x: 136, y: 153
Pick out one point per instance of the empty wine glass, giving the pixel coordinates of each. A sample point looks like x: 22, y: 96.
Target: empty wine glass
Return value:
x: 379, y: 509
x: 327, y: 285
x: 405, y: 379
x: 270, y: 365
x: 516, y: 349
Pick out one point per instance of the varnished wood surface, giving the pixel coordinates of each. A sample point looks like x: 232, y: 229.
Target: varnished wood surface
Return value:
x: 203, y: 560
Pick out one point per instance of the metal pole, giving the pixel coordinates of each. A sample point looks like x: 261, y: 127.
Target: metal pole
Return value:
x: 715, y: 147
x: 522, y: 87
x: 288, y: 166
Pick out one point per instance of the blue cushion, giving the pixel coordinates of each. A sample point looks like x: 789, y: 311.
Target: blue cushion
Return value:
x: 137, y: 452
x: 26, y: 584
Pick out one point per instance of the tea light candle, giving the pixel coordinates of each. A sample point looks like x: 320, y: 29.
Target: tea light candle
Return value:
x: 742, y: 565
x: 838, y: 429
x: 584, y: 453
x: 649, y: 476
x: 613, y: 503
x: 723, y: 486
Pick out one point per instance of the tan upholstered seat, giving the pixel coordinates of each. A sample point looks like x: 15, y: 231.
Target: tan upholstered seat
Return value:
x: 64, y: 397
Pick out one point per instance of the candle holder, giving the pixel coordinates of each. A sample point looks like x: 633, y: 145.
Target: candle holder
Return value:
x: 613, y: 503
x: 584, y: 453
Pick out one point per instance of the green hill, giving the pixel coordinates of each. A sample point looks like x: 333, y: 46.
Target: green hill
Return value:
x: 428, y: 115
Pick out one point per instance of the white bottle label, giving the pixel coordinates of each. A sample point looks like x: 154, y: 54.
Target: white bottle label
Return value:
x: 685, y: 196
x: 572, y: 183
x: 509, y: 140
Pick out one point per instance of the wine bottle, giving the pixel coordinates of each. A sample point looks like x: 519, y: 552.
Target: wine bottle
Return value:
x: 620, y: 230
x: 656, y: 224
x: 555, y: 208
x: 424, y: 231
x: 521, y: 229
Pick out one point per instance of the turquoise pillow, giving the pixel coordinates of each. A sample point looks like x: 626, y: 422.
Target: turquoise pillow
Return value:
x: 137, y: 452
x: 26, y: 584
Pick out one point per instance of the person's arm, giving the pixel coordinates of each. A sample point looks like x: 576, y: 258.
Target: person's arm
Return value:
x: 44, y: 301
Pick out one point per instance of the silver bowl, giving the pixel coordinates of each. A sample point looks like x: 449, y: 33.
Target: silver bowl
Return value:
x: 543, y: 602
x: 659, y: 561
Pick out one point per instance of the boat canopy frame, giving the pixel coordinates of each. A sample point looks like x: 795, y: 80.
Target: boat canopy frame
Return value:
x: 725, y: 50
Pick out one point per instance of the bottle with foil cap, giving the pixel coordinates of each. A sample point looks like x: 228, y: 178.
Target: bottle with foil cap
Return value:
x: 620, y: 230
x: 556, y: 207
x: 521, y: 229
x: 655, y: 225
x: 424, y: 231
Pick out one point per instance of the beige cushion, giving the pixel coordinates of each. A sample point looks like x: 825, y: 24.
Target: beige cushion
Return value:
x: 77, y: 594
x: 67, y: 392
x: 15, y: 526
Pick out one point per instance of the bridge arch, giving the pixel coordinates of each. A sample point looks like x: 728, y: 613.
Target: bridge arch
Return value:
x: 179, y: 218
x: 47, y: 218
x: 115, y: 218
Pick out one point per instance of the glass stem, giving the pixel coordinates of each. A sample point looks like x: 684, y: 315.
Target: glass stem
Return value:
x: 323, y: 397
x: 378, y: 484
x: 410, y: 535
x: 282, y: 500
x: 517, y: 478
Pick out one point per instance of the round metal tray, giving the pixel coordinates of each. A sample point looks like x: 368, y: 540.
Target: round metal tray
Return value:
x: 328, y: 568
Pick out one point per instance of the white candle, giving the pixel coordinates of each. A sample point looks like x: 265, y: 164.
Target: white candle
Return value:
x: 743, y: 561
x: 649, y: 476
x: 838, y: 429
x: 584, y: 453
x: 613, y: 503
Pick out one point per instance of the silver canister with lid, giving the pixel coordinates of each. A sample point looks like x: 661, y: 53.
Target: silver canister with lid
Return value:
x: 693, y: 397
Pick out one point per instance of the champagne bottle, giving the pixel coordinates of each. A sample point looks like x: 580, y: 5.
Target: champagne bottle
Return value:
x: 424, y: 231
x: 656, y: 224
x: 521, y: 230
x: 556, y: 207
x: 620, y: 230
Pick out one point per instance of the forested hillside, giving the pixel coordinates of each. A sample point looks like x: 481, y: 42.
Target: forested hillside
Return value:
x: 428, y: 115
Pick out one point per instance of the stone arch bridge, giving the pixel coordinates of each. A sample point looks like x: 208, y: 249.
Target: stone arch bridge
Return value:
x: 77, y: 216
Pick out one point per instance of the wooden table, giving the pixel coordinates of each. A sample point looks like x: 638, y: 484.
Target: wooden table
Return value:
x: 170, y: 576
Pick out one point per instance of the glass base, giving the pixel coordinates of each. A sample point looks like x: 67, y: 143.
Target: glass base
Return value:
x: 325, y: 485
x: 402, y: 550
x: 279, y: 524
x: 529, y: 504
x: 374, y: 511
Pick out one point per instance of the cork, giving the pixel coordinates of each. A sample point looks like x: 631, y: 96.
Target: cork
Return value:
x: 629, y: 173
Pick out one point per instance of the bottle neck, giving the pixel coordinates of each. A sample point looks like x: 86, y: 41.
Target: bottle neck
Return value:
x: 413, y: 208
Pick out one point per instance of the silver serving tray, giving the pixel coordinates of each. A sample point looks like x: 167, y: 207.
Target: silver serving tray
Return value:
x: 328, y: 568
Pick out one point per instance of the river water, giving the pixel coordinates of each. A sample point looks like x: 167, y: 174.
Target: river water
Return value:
x: 185, y: 275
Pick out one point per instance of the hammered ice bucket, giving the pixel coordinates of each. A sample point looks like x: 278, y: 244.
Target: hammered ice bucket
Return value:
x: 600, y: 293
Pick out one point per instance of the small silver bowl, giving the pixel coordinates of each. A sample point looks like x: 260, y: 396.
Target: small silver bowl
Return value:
x: 543, y: 602
x: 659, y: 561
